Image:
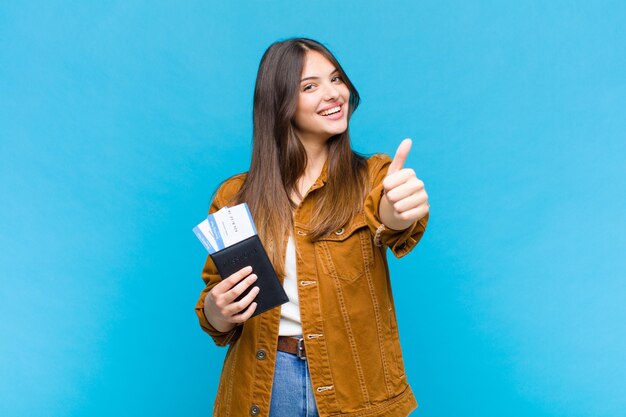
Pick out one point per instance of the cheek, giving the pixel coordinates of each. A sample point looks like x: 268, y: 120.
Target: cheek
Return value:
x: 305, y: 109
x: 344, y: 91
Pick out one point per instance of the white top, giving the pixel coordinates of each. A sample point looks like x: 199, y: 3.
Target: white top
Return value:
x: 290, y: 324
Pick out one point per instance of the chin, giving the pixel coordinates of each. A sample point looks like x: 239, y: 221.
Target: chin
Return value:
x: 333, y: 134
x: 339, y: 130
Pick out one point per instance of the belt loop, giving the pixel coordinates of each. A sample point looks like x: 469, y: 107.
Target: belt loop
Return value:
x: 301, y: 349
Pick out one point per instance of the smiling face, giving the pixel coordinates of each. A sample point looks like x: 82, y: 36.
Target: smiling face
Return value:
x: 323, y: 100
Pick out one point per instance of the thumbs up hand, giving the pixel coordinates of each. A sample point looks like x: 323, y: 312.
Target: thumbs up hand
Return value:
x: 405, y: 199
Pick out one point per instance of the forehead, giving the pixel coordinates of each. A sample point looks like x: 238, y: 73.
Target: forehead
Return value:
x: 316, y: 65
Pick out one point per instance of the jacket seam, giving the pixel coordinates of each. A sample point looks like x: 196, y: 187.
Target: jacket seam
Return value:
x: 232, y: 379
x: 377, y: 410
x: 377, y: 314
x: 346, y: 321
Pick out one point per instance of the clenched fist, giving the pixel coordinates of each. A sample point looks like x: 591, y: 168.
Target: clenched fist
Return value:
x: 405, y: 199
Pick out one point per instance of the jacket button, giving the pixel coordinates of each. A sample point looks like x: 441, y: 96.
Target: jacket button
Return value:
x: 261, y: 354
x: 340, y: 232
x: 255, y: 410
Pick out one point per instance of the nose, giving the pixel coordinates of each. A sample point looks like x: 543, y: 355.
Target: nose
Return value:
x: 331, y: 92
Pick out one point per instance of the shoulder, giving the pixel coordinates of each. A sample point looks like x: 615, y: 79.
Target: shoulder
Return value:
x: 378, y: 159
x: 228, y: 189
x: 377, y: 166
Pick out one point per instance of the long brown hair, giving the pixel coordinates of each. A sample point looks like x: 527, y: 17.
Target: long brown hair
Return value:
x: 279, y: 158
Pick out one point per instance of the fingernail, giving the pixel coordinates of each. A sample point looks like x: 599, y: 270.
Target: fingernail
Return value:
x: 253, y: 277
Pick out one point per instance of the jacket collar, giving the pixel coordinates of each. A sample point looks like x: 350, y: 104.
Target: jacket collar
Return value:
x: 322, y: 179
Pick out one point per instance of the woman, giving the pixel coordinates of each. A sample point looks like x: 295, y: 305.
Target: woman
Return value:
x: 325, y: 216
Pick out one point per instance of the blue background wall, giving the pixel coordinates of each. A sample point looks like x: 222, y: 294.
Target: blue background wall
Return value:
x: 118, y: 119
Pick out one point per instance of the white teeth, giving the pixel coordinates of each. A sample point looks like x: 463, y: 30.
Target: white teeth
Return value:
x: 331, y: 111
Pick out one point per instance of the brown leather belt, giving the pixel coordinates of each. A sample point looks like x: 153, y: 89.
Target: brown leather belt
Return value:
x: 293, y: 345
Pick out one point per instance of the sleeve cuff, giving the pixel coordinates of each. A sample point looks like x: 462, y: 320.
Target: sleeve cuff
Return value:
x: 401, y: 242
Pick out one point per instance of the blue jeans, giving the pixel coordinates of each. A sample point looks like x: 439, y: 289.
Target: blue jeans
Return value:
x: 292, y: 393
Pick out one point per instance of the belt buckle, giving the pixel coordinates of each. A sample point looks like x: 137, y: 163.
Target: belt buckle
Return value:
x: 300, y: 349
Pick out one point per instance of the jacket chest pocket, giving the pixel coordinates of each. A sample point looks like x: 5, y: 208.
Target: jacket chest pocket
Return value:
x: 347, y: 252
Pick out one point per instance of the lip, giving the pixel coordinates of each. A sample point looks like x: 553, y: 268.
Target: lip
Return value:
x: 330, y: 107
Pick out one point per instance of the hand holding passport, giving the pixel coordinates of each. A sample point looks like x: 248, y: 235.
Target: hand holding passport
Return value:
x: 231, y: 239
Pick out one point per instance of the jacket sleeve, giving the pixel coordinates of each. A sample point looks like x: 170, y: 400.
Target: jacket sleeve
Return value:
x: 401, y: 242
x: 211, y: 278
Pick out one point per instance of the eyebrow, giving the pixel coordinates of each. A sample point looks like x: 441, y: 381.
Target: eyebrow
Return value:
x: 315, y: 78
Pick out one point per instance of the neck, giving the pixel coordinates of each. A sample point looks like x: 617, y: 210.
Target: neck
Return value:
x: 316, y: 154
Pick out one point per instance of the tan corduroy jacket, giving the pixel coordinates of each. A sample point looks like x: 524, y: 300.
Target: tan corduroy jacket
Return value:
x: 347, y: 312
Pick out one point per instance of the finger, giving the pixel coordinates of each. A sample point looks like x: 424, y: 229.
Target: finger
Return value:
x: 415, y: 214
x: 401, y: 153
x: 412, y: 186
x: 240, y: 318
x: 233, y: 279
x: 410, y: 202
x: 394, y: 180
x: 242, y: 304
x: 238, y: 289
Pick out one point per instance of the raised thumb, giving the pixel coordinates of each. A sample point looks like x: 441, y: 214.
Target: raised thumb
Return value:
x: 401, y: 154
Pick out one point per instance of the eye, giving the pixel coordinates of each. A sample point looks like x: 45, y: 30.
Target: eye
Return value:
x: 337, y: 78
x: 307, y: 87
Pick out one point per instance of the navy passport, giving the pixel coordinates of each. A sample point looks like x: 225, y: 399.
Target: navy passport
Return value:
x: 250, y: 252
